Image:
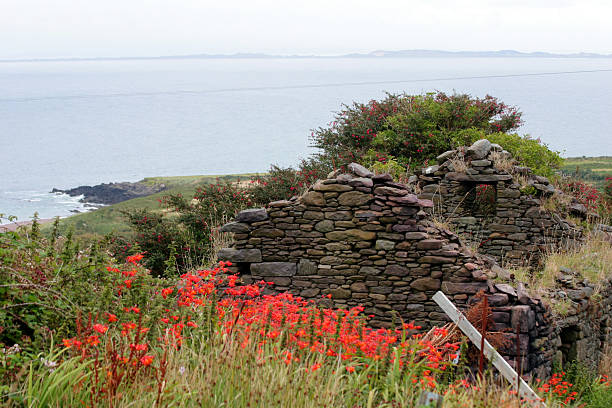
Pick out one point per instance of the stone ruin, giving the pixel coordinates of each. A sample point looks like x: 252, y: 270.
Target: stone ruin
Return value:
x: 366, y: 240
x: 497, y: 206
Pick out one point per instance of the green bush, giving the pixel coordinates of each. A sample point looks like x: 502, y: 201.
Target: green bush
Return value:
x: 527, y: 151
x: 412, y: 128
x: 182, y: 235
x: 284, y: 183
x: 45, y: 284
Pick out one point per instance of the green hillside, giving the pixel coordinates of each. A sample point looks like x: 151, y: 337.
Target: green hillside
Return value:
x: 110, y: 219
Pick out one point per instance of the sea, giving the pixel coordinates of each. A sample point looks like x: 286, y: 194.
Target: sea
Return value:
x: 69, y: 123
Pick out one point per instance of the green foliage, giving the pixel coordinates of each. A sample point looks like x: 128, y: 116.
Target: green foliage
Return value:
x: 182, y: 236
x: 45, y: 284
x: 526, y: 151
x: 412, y: 128
x: 384, y: 164
x: 283, y: 183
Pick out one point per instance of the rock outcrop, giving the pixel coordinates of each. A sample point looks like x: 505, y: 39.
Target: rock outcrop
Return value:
x: 112, y: 193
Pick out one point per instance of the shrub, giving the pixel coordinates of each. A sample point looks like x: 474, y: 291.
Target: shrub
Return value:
x: 46, y: 283
x: 182, y: 235
x: 412, y: 128
x: 282, y: 184
x: 526, y: 151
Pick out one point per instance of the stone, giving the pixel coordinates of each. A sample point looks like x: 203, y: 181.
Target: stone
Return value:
x: 471, y: 288
x: 498, y: 299
x: 397, y: 270
x: 267, y: 233
x: 424, y: 284
x: 405, y: 199
x: 252, y: 215
x: 313, y: 215
x: 521, y: 293
x: 500, y: 272
x: 361, y: 182
x: 354, y: 198
x: 320, y: 186
x: 369, y: 271
x: 578, y: 209
x: 479, y: 150
x: 466, y: 220
x: 481, y: 163
x: 339, y: 215
x: 430, y: 244
x: 359, y: 287
x: 239, y: 255
x: 384, y: 244
x: 389, y: 191
x: 416, y: 235
x: 435, y: 260
x: 351, y: 235
x: 324, y: 226
x: 236, y: 227
x: 504, y: 228
x: 274, y: 269
x: 309, y: 293
x: 381, y: 178
x: 279, y: 203
x: 340, y: 293
x: 313, y: 198
x: 524, y: 316
x: 306, y: 267
x: 505, y: 288
x: 477, y: 178
x: 431, y: 169
x: 426, y: 203
x: 441, y: 158
x: 359, y: 170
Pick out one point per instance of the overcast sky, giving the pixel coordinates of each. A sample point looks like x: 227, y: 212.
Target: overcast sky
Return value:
x: 90, y: 28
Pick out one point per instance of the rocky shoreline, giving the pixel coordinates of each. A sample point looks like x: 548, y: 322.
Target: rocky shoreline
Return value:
x: 111, y: 193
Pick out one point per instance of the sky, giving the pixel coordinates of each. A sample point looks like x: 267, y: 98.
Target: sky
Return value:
x: 122, y: 28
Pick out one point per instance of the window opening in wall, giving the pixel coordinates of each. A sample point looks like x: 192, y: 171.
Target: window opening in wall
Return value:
x: 480, y: 199
x: 569, y: 336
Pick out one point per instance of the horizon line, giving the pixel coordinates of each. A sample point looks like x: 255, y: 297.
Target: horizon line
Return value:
x: 408, y: 53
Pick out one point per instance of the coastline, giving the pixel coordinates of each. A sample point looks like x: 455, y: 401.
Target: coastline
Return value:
x: 14, y: 225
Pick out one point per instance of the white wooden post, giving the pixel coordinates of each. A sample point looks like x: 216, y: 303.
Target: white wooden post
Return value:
x: 498, y: 361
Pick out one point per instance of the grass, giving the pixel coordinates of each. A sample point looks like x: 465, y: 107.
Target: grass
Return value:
x: 593, y: 170
x: 592, y: 260
x: 109, y: 219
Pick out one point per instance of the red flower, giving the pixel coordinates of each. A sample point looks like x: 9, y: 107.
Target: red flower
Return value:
x: 100, y: 328
x: 146, y: 360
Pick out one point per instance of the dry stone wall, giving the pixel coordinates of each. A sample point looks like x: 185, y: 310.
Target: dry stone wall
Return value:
x: 476, y: 189
x: 359, y: 239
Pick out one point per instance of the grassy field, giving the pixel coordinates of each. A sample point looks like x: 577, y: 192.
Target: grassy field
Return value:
x: 593, y: 170
x: 110, y: 219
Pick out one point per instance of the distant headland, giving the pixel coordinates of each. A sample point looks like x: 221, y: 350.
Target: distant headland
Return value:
x: 418, y: 53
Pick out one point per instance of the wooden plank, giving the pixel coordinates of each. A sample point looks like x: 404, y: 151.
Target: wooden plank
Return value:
x: 498, y: 361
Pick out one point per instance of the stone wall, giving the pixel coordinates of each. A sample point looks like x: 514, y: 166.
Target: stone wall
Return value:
x: 362, y: 239
x: 476, y: 190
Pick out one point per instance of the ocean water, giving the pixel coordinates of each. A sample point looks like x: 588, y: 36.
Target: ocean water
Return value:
x: 65, y: 124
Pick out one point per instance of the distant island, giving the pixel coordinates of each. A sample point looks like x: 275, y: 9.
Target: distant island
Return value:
x: 373, y: 54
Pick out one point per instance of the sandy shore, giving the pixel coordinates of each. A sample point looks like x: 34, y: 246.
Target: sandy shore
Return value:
x: 14, y: 225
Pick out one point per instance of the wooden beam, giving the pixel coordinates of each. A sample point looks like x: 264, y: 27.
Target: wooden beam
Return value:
x: 498, y: 361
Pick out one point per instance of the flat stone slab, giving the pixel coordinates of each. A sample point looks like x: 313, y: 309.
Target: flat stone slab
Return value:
x: 236, y: 227
x: 478, y: 178
x: 274, y: 269
x: 359, y: 170
x: 239, y: 255
x: 252, y: 215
